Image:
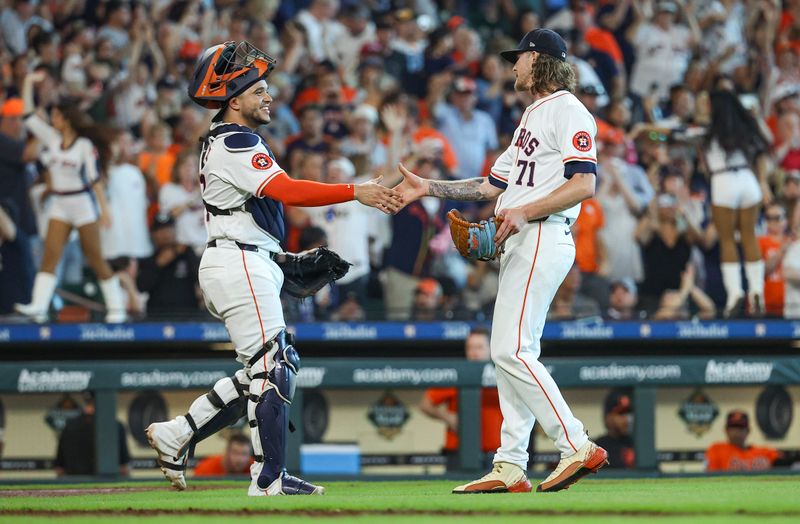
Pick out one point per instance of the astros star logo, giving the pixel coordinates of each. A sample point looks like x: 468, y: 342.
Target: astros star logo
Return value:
x: 582, y: 141
x: 261, y: 161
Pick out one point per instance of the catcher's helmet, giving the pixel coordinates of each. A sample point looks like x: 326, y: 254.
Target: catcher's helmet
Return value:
x: 226, y: 70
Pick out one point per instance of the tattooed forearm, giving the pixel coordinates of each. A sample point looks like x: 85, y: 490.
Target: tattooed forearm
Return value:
x: 458, y: 189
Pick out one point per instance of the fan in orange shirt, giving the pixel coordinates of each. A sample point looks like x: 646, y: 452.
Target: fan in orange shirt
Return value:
x: 156, y: 160
x: 590, y: 252
x: 235, y: 461
x: 442, y: 403
x: 736, y: 455
x: 773, y: 248
x: 588, y: 246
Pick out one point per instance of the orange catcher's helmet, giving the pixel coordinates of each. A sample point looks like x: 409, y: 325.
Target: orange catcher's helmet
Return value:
x: 227, y: 70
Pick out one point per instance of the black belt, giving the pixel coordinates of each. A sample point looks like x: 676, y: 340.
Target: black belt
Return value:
x: 84, y: 189
x: 214, y: 210
x: 240, y: 245
x: 244, y: 247
x: 74, y: 192
x: 730, y: 168
x: 544, y: 219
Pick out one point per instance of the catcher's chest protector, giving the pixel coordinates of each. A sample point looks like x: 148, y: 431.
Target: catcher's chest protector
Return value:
x: 228, y: 145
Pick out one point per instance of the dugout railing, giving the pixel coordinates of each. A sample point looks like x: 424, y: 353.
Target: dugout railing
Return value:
x: 643, y: 375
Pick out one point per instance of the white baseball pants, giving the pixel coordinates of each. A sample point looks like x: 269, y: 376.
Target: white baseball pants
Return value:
x: 534, y: 265
x: 242, y: 288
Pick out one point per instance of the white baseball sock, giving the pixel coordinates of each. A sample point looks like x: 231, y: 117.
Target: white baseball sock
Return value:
x: 754, y: 271
x: 732, y: 280
x: 112, y: 295
x: 44, y: 285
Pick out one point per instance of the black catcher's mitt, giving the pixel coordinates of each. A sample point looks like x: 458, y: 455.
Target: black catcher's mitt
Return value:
x: 308, y: 272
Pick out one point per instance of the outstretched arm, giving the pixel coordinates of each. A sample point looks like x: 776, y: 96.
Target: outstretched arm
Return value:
x: 413, y: 187
x: 305, y: 193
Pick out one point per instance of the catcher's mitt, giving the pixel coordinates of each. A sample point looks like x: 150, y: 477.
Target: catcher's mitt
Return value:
x: 474, y: 241
x: 308, y: 272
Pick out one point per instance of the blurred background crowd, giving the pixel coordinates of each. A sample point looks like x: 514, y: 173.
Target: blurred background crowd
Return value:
x: 361, y: 85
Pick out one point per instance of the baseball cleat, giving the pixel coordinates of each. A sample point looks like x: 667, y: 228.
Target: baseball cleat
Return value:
x: 504, y: 478
x: 589, y: 459
x: 285, y: 485
x: 171, y: 455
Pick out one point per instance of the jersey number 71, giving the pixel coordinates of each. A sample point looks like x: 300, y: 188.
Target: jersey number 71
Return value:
x: 529, y: 166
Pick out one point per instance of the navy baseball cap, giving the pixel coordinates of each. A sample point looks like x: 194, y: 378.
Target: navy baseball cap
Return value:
x: 737, y: 419
x: 617, y: 401
x: 542, y: 41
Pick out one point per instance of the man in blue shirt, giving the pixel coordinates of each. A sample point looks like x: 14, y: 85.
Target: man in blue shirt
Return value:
x: 471, y: 132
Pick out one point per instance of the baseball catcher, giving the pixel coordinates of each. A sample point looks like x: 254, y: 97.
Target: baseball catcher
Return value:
x: 244, y: 191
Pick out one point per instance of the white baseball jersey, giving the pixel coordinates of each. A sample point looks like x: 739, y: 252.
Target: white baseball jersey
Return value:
x: 234, y: 167
x: 71, y: 169
x: 554, y: 140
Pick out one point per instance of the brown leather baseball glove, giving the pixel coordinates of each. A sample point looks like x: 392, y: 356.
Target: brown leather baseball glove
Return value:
x: 474, y: 240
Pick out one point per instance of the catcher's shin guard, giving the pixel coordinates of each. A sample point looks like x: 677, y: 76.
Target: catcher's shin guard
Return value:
x: 225, y: 417
x: 222, y: 406
x: 275, y: 370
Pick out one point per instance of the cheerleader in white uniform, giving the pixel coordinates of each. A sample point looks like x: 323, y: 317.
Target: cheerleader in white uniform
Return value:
x: 70, y: 156
x: 734, y: 144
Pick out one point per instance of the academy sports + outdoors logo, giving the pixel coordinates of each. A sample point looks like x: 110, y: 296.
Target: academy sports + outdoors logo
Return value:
x: 394, y: 375
x: 738, y: 371
x: 310, y: 377
x: 582, y: 141
x: 158, y: 378
x: 53, y: 380
x: 261, y: 161
x: 615, y: 371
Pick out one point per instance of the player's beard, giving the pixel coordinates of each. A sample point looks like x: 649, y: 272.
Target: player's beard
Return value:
x: 523, y: 83
x: 259, y: 116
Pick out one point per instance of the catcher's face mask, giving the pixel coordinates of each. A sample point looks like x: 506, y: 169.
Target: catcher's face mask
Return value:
x: 227, y: 70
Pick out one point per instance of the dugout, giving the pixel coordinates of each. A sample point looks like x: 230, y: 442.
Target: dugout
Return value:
x: 672, y: 427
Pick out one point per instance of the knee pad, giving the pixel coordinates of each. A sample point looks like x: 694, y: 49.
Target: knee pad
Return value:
x: 282, y: 377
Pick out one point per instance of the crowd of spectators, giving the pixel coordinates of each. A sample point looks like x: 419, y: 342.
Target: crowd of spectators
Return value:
x: 360, y: 85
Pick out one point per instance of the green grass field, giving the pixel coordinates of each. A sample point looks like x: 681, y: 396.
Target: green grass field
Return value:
x: 718, y: 499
